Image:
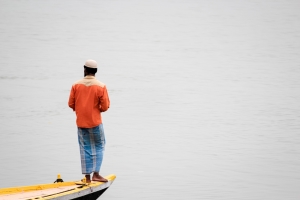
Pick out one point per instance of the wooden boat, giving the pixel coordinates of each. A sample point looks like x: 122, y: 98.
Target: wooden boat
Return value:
x: 59, y: 190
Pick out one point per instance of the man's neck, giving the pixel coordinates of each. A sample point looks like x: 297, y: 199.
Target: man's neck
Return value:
x: 90, y: 75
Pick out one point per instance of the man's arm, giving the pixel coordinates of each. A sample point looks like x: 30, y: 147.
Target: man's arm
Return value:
x: 71, y: 102
x: 104, y: 100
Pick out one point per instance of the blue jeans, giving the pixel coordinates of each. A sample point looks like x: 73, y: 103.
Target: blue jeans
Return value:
x: 91, y: 143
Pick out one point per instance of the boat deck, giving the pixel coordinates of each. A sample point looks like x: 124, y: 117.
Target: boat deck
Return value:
x: 59, y: 191
x: 37, y: 193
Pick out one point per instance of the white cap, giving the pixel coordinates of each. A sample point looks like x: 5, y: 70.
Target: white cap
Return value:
x: 91, y: 64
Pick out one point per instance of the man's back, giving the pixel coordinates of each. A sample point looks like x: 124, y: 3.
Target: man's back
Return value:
x: 88, y: 98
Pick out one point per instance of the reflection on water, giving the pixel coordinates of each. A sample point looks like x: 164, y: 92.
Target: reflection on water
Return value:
x: 204, y: 95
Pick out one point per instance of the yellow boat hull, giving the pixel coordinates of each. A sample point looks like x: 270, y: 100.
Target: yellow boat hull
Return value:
x: 75, y: 190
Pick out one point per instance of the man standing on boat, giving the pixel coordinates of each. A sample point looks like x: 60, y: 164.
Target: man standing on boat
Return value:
x: 88, y: 98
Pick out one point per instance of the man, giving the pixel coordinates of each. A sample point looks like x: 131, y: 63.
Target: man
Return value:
x: 88, y: 98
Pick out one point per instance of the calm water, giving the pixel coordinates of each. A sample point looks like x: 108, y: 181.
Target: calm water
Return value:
x: 204, y: 95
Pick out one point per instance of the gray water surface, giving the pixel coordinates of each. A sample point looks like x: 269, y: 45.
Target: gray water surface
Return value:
x: 204, y: 95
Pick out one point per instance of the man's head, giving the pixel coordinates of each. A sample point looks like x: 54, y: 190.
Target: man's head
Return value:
x: 90, y: 67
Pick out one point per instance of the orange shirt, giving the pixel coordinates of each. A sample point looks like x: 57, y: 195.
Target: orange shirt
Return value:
x: 88, y: 98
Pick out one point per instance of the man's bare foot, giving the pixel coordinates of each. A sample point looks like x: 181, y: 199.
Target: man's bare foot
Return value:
x: 97, y: 177
x: 88, y: 178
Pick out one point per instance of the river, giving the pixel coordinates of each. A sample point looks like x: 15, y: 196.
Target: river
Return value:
x: 204, y: 95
